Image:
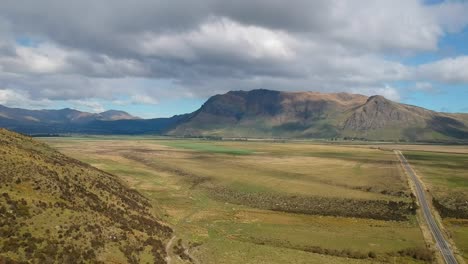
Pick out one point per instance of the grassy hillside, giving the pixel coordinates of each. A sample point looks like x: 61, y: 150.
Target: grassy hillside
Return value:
x: 54, y: 209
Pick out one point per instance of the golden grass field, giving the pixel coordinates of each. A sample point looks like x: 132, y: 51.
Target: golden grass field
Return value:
x: 194, y: 184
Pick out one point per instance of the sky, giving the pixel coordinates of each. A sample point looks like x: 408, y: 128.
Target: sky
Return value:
x: 160, y: 58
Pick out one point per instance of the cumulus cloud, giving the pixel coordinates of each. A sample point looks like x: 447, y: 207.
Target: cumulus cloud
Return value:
x: 88, y: 105
x: 223, y: 37
x: 388, y: 24
x: 150, y: 50
x: 47, y: 58
x: 448, y: 70
x: 142, y: 99
x: 138, y: 99
x: 40, y: 60
x: 387, y: 91
x: 399, y: 25
x: 423, y: 86
x: 451, y: 15
x: 21, y: 99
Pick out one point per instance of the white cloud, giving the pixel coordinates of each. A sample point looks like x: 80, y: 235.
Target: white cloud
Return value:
x: 100, y: 66
x: 88, y: 105
x: 143, y: 99
x: 222, y: 37
x: 8, y: 96
x: 387, y: 91
x: 136, y: 99
x: 399, y: 25
x: 451, y: 14
x: 51, y: 59
x: 423, y: 86
x: 210, y: 47
x: 448, y: 70
x: 45, y: 58
x: 20, y: 99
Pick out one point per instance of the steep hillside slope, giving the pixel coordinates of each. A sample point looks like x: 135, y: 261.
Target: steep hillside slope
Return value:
x: 54, y: 209
x: 379, y: 112
x: 265, y: 113
x: 380, y: 118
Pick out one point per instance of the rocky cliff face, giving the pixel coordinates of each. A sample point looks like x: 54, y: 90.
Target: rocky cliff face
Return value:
x: 235, y: 106
x: 238, y: 105
x: 265, y: 112
x: 379, y: 112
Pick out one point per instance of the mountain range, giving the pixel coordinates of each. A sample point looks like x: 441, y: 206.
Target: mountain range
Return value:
x: 263, y: 114
x: 73, y: 121
x: 66, y: 115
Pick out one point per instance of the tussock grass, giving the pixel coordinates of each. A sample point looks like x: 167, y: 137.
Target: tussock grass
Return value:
x: 54, y: 209
x: 199, y: 191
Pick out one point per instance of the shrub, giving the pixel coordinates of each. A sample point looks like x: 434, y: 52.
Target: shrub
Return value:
x: 418, y: 253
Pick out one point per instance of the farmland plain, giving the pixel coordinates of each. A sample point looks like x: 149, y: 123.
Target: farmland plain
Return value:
x: 270, y: 202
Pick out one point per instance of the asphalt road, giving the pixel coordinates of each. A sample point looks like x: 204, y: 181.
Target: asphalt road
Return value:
x: 441, y: 242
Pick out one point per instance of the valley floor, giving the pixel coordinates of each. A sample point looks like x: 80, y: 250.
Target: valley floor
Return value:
x: 274, y: 202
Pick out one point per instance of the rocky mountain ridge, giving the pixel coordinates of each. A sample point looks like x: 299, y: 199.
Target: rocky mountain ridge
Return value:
x: 266, y: 113
x: 271, y: 114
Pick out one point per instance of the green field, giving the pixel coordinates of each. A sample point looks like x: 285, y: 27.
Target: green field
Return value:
x: 267, y: 202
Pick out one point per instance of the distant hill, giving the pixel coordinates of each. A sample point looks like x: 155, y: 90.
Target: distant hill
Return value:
x: 54, y: 209
x: 73, y: 121
x: 63, y: 116
x: 112, y: 115
x: 267, y: 114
